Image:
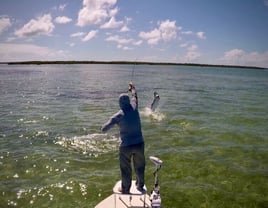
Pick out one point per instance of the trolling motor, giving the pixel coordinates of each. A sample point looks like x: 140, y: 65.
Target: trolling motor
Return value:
x: 155, y: 197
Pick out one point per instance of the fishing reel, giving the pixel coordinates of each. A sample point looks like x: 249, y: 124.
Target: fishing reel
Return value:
x: 155, y: 197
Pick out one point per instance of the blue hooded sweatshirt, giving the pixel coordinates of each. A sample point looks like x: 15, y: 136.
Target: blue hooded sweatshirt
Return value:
x: 128, y: 120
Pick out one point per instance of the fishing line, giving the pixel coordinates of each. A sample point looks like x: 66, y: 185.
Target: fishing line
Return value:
x: 133, y: 69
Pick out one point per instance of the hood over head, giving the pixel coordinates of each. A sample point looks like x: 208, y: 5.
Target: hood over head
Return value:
x: 124, y: 101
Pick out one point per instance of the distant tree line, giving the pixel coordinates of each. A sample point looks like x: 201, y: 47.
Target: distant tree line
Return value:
x: 128, y: 63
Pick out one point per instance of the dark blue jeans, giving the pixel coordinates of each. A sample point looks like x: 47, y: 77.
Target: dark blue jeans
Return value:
x: 136, y: 153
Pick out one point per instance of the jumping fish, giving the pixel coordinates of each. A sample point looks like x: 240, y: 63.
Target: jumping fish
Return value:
x: 155, y: 101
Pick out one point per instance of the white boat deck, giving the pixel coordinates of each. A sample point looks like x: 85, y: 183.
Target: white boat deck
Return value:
x: 135, y: 199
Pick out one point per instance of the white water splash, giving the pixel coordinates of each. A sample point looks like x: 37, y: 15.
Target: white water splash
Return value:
x: 92, y: 144
x: 155, y: 115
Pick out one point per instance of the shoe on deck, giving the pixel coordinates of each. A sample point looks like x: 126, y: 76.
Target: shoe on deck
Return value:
x: 133, y: 190
x: 121, y: 191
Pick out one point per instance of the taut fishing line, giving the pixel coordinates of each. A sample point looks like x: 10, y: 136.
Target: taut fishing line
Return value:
x: 133, y: 69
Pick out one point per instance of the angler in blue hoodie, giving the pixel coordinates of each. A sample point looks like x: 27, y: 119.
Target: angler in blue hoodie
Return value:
x: 132, y: 142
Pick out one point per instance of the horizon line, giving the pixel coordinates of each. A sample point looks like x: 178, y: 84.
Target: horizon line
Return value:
x: 128, y: 63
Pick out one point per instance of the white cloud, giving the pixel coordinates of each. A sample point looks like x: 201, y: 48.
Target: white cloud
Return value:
x: 5, y: 23
x: 187, y: 32
x: 78, y: 34
x: 112, y: 23
x: 71, y: 44
x: 166, y: 31
x: 201, y: 35
x: 90, y: 35
x: 24, y: 52
x: 124, y: 43
x: 125, y: 48
x: 137, y: 43
x: 234, y: 55
x: 62, y: 20
x: 62, y: 7
x: 113, y: 12
x: 192, y: 56
x: 95, y: 12
x: 193, y: 48
x: 119, y: 40
x: 240, y: 57
x: 152, y: 37
x: 192, y: 53
x: 124, y: 29
x: 10, y: 39
x: 184, y: 45
x: 42, y: 26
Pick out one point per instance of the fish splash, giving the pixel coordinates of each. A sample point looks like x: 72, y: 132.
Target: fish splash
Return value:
x: 154, y: 115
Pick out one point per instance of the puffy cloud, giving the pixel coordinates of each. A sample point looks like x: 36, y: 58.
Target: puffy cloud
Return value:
x: 241, y: 57
x: 201, y: 35
x: 234, y: 55
x: 124, y: 29
x: 62, y: 19
x: 166, y: 31
x: 113, y: 12
x: 42, y: 26
x: 152, y: 37
x: 112, y: 24
x: 5, y: 23
x: 95, y: 12
x: 90, y: 35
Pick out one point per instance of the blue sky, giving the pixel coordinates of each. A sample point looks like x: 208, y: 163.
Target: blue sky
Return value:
x: 184, y: 31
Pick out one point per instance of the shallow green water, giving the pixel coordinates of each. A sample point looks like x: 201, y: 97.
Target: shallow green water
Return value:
x: 211, y: 131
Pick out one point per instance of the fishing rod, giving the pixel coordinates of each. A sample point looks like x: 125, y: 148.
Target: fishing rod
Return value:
x: 133, y: 69
x: 130, y: 84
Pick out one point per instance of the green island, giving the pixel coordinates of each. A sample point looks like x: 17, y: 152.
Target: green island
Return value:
x: 128, y: 63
